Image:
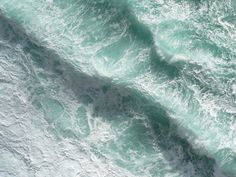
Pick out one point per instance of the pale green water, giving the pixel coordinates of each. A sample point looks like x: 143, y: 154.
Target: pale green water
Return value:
x: 117, y: 88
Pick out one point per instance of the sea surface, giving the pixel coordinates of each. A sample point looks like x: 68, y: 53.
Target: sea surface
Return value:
x: 117, y: 88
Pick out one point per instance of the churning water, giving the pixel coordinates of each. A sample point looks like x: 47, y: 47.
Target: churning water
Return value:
x: 117, y: 88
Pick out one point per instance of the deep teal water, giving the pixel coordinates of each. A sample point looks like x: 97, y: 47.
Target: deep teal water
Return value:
x: 114, y: 88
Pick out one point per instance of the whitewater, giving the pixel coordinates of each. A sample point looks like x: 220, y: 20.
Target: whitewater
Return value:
x: 117, y: 88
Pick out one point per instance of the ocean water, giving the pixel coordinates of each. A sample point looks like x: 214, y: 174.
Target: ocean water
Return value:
x: 117, y: 88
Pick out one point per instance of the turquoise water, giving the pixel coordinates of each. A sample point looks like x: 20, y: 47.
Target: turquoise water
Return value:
x: 108, y: 88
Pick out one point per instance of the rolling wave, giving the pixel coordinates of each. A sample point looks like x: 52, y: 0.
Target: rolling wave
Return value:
x: 117, y: 88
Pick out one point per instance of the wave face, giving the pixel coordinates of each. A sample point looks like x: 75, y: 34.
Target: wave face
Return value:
x: 98, y: 88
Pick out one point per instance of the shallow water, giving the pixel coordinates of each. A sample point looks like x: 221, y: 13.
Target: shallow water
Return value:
x: 117, y: 88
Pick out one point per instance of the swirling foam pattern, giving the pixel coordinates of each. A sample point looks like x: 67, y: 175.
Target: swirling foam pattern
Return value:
x: 117, y: 88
